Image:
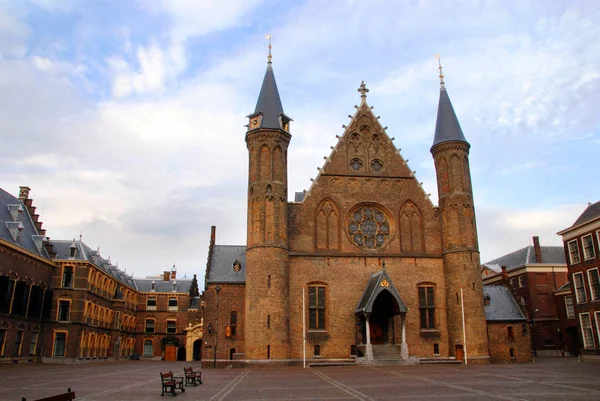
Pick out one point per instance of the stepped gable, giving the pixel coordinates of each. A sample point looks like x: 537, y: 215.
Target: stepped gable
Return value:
x: 17, y: 226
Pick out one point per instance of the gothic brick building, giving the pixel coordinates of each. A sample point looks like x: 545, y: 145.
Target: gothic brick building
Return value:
x: 360, y: 264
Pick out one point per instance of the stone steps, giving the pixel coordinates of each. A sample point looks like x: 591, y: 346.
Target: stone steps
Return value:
x: 443, y: 361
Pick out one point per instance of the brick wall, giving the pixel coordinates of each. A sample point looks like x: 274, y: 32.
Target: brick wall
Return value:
x: 230, y: 299
x: 32, y: 272
x: 501, y: 343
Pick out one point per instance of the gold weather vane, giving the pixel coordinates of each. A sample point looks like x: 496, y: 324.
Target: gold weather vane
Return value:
x: 269, y: 37
x: 442, y: 84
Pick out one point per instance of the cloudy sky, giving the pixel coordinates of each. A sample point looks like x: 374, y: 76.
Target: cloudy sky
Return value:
x: 126, y: 117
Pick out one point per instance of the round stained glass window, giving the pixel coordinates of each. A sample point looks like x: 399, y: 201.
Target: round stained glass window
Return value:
x: 369, y: 227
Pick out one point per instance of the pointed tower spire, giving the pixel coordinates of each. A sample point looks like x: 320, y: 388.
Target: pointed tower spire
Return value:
x: 269, y: 111
x: 447, y: 127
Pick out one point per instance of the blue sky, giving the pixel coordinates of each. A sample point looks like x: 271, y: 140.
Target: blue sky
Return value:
x: 126, y: 117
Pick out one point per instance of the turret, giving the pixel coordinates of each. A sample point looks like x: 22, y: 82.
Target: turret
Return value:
x: 267, y: 282
x: 450, y: 151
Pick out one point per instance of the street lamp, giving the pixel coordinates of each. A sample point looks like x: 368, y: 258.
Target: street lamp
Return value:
x: 218, y: 290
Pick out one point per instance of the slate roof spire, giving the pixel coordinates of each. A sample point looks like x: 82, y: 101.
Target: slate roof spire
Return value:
x: 447, y: 127
x: 269, y: 102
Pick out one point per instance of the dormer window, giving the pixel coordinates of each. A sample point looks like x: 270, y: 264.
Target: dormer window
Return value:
x: 285, y: 123
x: 237, y: 266
x: 153, y: 286
x: 72, y: 251
x: 174, y: 286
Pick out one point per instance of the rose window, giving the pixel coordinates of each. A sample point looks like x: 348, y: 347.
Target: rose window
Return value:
x: 369, y: 227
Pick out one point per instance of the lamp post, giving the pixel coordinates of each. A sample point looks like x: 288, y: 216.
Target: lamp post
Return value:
x: 218, y: 290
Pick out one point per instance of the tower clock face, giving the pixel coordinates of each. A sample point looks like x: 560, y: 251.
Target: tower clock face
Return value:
x: 254, y: 122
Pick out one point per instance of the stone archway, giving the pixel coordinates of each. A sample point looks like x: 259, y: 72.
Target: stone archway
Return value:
x: 193, y: 334
x: 197, y: 350
x: 381, y: 319
x: 375, y: 312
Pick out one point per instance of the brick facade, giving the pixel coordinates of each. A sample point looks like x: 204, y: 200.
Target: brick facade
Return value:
x: 509, y: 342
x: 365, y: 212
x: 61, y: 302
x: 22, y: 331
x: 582, y: 251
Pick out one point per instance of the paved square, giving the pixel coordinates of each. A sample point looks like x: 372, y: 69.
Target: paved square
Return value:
x: 548, y: 379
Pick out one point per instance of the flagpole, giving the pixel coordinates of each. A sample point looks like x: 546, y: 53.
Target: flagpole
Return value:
x: 303, y: 331
x: 462, y: 305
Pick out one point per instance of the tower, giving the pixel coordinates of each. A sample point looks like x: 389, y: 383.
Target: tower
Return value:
x: 267, y: 280
x: 450, y: 152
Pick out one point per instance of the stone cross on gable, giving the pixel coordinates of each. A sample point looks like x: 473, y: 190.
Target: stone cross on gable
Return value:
x: 363, y: 90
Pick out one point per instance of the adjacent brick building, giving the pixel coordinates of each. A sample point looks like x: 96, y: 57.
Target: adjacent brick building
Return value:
x: 366, y: 231
x: 581, y: 247
x: 163, y: 315
x: 534, y: 273
x: 61, y: 301
x: 507, y: 326
x: 25, y: 273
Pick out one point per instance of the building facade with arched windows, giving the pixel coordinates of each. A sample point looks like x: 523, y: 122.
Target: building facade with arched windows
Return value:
x: 362, y: 265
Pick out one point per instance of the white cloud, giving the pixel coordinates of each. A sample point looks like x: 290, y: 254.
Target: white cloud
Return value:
x: 191, y: 18
x: 503, y: 230
x: 145, y: 171
x: 149, y: 71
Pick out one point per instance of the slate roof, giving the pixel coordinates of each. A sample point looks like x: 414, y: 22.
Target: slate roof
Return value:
x: 84, y: 252
x: 145, y: 285
x: 220, y: 268
x: 590, y: 213
x: 502, y: 306
x: 28, y: 233
x: 373, y: 289
x: 526, y: 256
x: 447, y: 127
x: 269, y: 102
x: 565, y: 286
x: 298, y: 197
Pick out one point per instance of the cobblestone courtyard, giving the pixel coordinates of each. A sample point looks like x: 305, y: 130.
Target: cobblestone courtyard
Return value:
x: 548, y: 379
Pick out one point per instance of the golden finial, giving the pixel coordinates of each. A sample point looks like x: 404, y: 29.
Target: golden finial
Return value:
x: 269, y: 37
x: 442, y: 84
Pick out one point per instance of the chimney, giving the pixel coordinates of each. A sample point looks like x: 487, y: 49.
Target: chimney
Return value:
x: 213, y: 234
x: 538, y: 249
x: 504, y: 274
x: 166, y: 275
x: 173, y: 272
x: 49, y: 247
x: 24, y: 193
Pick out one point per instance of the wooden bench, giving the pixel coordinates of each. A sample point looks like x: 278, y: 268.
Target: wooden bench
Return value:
x: 170, y: 383
x: 68, y: 396
x: 192, y: 377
